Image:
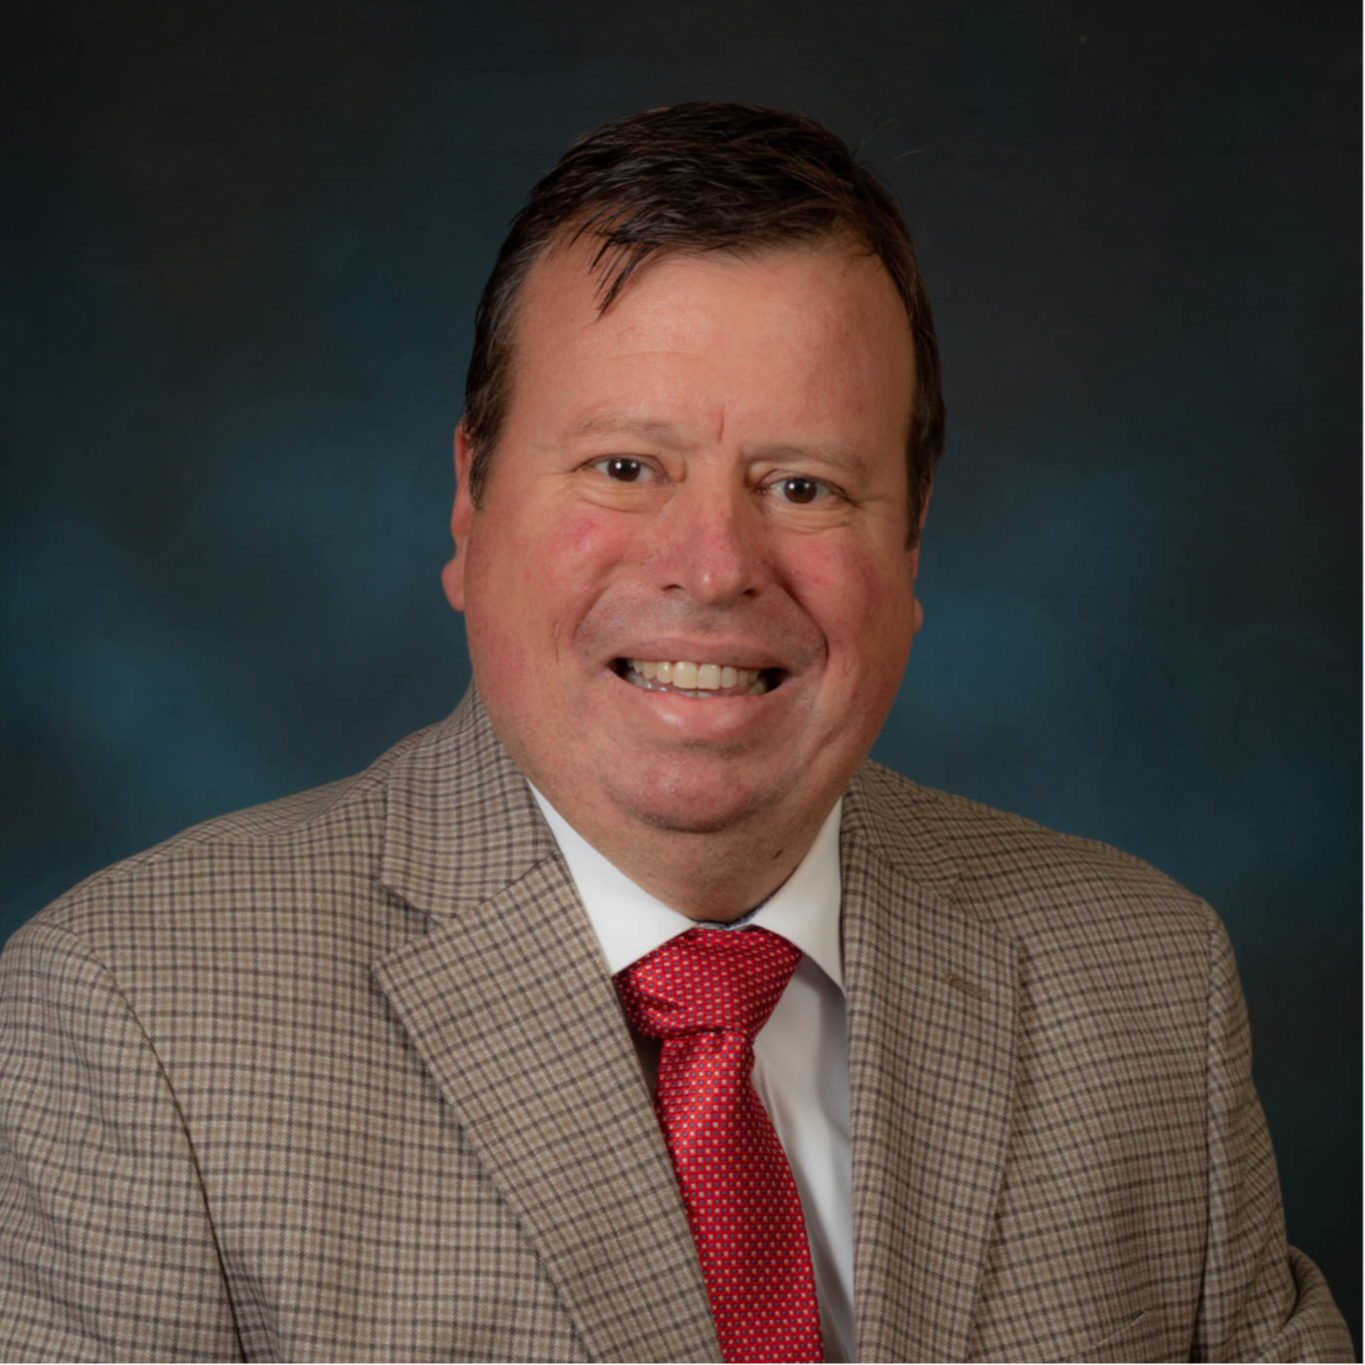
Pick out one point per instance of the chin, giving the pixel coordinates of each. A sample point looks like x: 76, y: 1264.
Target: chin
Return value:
x: 690, y: 808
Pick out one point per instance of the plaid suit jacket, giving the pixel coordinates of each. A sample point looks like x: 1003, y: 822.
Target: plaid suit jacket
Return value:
x: 344, y: 1077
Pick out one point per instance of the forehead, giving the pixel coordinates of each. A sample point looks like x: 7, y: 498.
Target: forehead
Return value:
x: 801, y: 335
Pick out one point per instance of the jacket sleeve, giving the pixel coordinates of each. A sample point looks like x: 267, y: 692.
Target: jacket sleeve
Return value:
x: 107, y: 1251
x: 1262, y: 1300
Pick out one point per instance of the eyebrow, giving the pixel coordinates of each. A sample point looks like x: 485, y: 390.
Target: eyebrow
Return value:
x: 846, y: 459
x: 842, y: 457
x: 623, y: 424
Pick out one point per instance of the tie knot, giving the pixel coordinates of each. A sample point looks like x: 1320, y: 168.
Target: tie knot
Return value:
x: 708, y: 979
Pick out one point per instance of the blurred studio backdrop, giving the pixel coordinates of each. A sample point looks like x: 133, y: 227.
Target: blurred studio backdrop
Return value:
x: 246, y: 242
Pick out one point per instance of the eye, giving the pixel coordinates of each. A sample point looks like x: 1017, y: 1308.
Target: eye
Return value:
x: 622, y: 469
x: 800, y: 491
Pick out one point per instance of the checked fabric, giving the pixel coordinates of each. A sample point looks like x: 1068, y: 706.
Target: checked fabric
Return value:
x: 706, y: 994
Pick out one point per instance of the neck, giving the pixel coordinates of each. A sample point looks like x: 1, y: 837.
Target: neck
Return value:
x: 718, y: 875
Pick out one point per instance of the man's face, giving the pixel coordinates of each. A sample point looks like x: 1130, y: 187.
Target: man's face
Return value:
x: 711, y: 473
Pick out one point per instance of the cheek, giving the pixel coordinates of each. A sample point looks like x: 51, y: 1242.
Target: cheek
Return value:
x: 863, y: 603
x: 531, y: 584
x: 849, y: 589
x: 583, y: 535
x: 570, y: 563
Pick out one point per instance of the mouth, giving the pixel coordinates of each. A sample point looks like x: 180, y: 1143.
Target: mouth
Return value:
x: 702, y: 681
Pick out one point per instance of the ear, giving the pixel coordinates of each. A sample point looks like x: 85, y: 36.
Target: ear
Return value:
x: 912, y: 563
x: 461, y: 522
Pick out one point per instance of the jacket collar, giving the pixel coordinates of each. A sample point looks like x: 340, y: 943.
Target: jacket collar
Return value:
x: 460, y: 822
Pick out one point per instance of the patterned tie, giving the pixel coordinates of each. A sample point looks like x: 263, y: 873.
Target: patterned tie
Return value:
x: 706, y: 994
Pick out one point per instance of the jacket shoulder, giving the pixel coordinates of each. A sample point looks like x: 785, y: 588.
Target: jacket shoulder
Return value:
x: 328, y: 838
x: 1028, y: 882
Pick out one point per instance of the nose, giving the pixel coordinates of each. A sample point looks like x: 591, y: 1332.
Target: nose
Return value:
x: 708, y: 544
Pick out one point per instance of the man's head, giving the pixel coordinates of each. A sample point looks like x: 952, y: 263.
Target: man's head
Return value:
x: 701, y: 177
x: 700, y: 460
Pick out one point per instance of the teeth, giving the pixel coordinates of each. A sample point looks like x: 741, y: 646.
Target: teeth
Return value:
x: 694, y: 678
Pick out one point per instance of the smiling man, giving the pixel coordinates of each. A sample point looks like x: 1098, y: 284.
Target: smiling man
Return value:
x: 630, y: 1013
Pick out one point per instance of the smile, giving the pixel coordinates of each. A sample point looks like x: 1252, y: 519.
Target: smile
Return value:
x: 686, y: 678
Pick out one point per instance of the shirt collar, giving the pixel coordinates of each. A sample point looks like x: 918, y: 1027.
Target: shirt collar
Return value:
x: 629, y: 922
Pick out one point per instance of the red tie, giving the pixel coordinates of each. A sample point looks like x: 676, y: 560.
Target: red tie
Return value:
x: 706, y: 994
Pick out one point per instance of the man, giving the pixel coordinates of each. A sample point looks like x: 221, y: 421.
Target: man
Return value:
x: 393, y: 1070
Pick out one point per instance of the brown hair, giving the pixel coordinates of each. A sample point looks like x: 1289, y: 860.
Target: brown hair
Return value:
x: 703, y: 176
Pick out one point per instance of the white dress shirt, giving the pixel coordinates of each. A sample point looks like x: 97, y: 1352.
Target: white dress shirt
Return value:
x: 800, y: 1054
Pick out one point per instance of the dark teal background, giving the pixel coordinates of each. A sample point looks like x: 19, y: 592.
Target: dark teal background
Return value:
x: 245, y: 243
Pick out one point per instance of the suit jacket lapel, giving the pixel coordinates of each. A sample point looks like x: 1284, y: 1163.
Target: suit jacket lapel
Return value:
x: 931, y: 1056
x: 508, y: 1001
